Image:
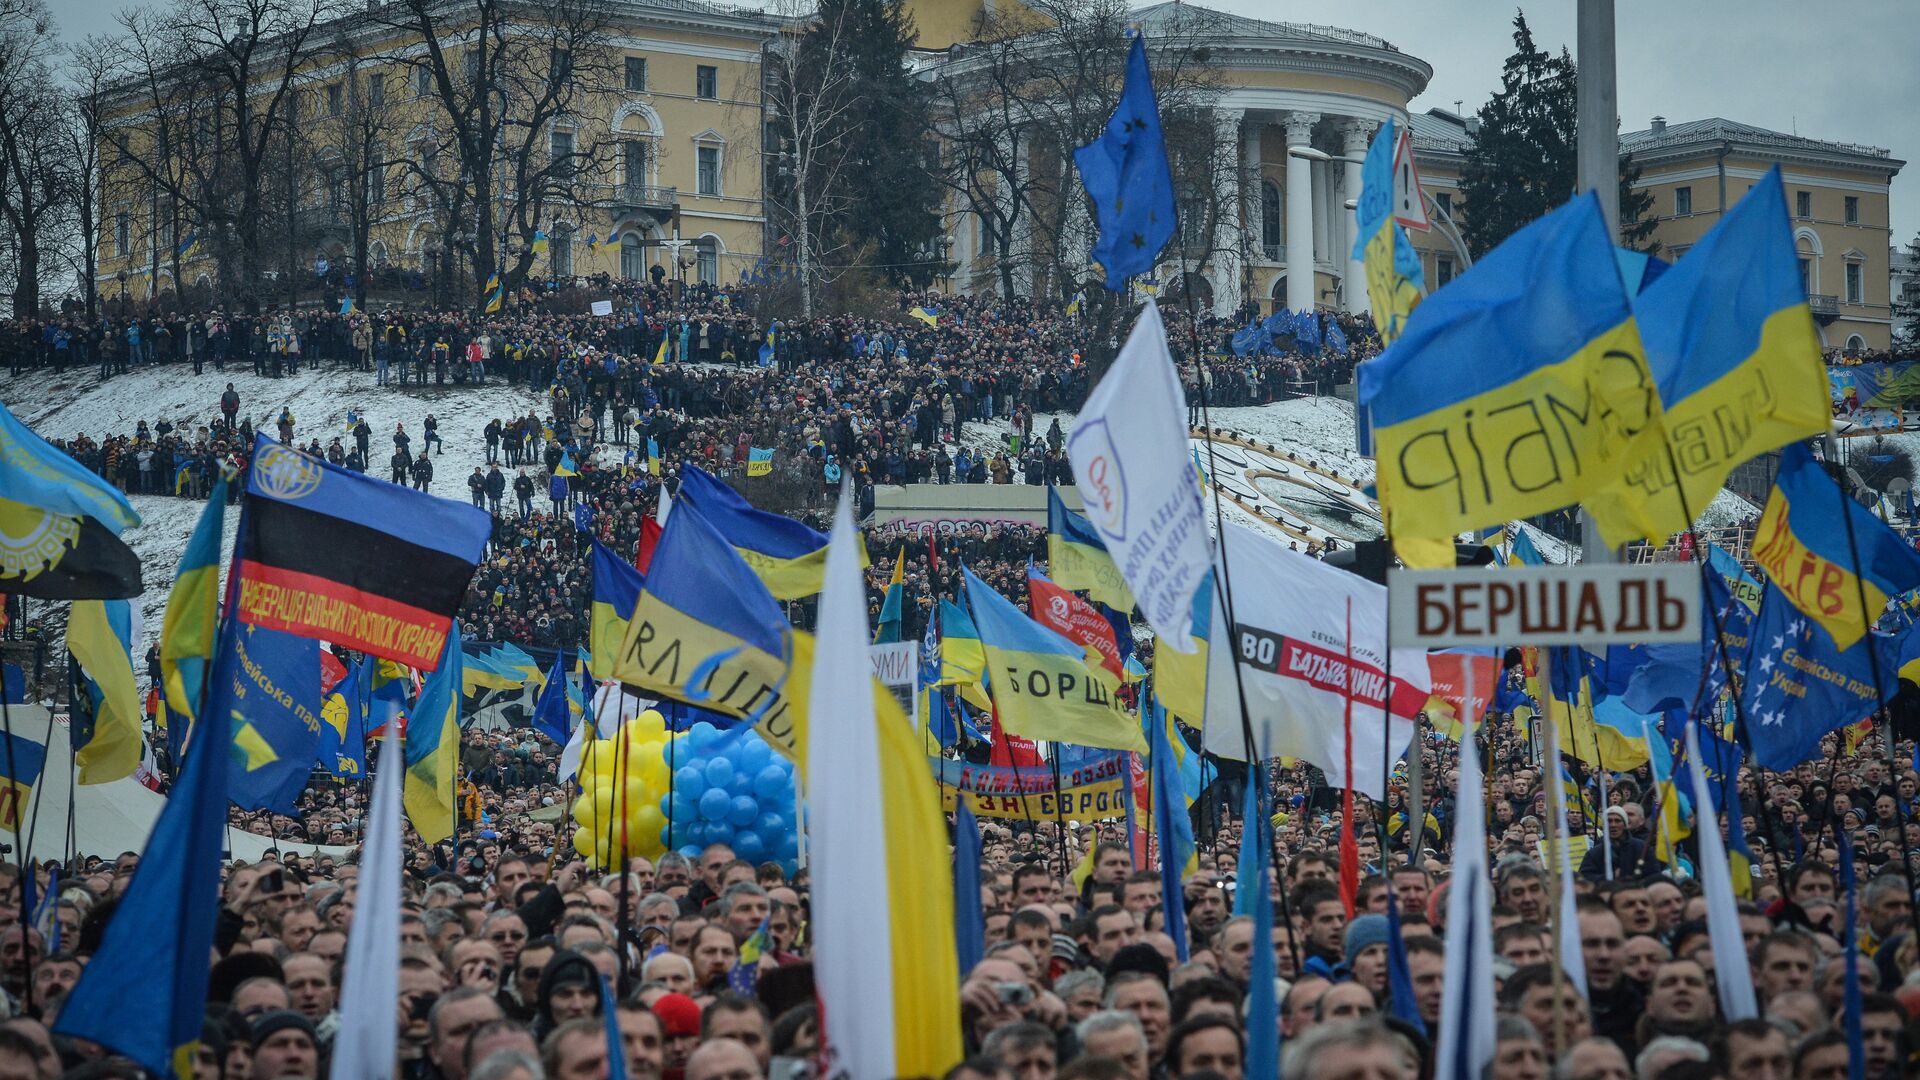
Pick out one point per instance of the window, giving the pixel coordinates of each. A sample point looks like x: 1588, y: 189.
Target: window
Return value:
x: 563, y: 154
x: 633, y: 257
x: 1270, y: 220
x: 633, y: 164
x: 559, y: 65
x: 560, y: 251
x: 706, y: 260
x: 1682, y: 201
x: 1445, y: 201
x: 165, y: 230
x: 122, y: 233
x: 1856, y: 283
x: 636, y: 73
x: 706, y: 81
x: 336, y: 99
x: 709, y: 172
x: 986, y: 235
x: 1193, y: 219
x: 473, y: 64
x: 1806, y: 275
x: 1442, y: 272
x: 1855, y: 345
x: 1803, y: 204
x: 1853, y: 209
x: 376, y: 90
x: 422, y: 81
x: 376, y: 178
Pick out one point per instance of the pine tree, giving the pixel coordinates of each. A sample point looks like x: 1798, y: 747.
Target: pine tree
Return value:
x: 1524, y: 160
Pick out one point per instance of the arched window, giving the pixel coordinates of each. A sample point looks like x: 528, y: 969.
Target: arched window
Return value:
x: 706, y: 253
x: 1270, y: 220
x: 633, y: 256
x: 1855, y: 345
x: 560, y: 250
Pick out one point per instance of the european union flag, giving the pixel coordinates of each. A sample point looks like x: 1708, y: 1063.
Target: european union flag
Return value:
x: 583, y: 517
x: 553, y: 716
x: 1126, y: 175
x: 969, y: 927
x: 1800, y: 685
x: 272, y: 695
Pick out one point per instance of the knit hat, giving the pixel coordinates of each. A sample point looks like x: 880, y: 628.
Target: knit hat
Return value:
x: 678, y: 1013
x: 1138, y: 957
x: 1364, y: 931
x: 266, y: 1025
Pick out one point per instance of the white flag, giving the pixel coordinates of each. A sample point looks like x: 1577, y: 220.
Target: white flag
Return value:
x: 1573, y: 957
x: 368, y: 1043
x: 1463, y: 1047
x: 1734, y: 978
x: 1296, y: 644
x: 1133, y: 466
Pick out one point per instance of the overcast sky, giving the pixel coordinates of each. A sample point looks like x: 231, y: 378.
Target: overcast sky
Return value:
x: 1843, y: 71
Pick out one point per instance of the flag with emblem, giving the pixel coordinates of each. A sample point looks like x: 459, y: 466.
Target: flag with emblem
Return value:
x: 1127, y: 178
x: 272, y: 696
x: 60, y: 524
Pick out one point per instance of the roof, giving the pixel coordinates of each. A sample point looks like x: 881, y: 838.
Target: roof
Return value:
x: 1719, y: 129
x: 1189, y: 18
x: 1438, y: 129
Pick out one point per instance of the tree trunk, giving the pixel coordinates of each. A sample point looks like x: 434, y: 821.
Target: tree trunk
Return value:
x: 26, y: 291
x: 803, y: 252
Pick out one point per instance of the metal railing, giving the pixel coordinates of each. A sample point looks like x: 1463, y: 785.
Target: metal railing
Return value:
x: 1823, y: 304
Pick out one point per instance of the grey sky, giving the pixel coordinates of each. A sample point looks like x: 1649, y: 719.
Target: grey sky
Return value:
x: 1841, y: 71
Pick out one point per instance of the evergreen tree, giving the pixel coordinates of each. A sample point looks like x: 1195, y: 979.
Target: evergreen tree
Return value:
x: 1906, y: 304
x: 1524, y: 160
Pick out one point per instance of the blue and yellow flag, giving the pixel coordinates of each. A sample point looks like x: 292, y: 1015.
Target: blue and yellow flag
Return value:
x: 274, y: 702
x: 346, y: 305
x: 100, y: 636
x: 1395, y: 281
x: 769, y: 348
x: 189, y: 246
x: 887, y: 631
x: 1077, y: 558
x: 706, y: 631
x: 744, y: 976
x: 496, y: 294
x: 1720, y: 760
x: 616, y: 589
x: 759, y: 461
x: 343, y: 726
x: 1047, y: 687
x: 433, y: 747
x: 653, y: 456
x: 660, y: 354
x: 193, y: 615
x: 930, y: 316
x: 540, y: 242
x: 963, y: 663
x: 62, y: 524
x: 157, y: 943
x: 1800, y: 685
x: 21, y: 761
x: 1180, y: 679
x: 788, y: 557
x: 1805, y: 548
x: 1732, y: 347
x: 1127, y: 178
x: 566, y: 466
x: 1519, y: 388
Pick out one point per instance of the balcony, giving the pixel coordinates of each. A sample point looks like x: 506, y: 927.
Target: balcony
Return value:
x: 659, y: 203
x: 1825, y: 308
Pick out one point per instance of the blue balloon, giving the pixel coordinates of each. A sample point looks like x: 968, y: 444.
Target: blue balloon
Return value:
x: 771, y: 784
x: 754, y: 752
x: 744, y: 813
x: 771, y: 826
x: 690, y: 781
x: 683, y: 809
x: 715, y: 804
x: 719, y: 773
x: 749, y: 847
x: 742, y: 783
x: 666, y: 804
x: 700, y: 734
x: 691, y: 851
x: 666, y: 836
x: 719, y: 832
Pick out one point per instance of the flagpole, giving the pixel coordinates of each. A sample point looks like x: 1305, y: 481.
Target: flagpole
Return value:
x: 1554, y: 840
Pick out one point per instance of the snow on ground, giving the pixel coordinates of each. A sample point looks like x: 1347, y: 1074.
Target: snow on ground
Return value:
x: 320, y: 397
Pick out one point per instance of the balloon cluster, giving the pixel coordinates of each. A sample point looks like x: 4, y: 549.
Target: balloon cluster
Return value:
x: 648, y: 790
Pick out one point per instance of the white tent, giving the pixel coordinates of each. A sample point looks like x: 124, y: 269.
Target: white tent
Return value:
x: 106, y: 819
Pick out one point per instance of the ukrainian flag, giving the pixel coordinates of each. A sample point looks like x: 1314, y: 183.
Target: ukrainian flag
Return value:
x: 759, y: 461
x: 188, y: 247
x: 706, y: 631
x: 602, y: 247
x: 1047, y: 687
x: 433, y: 746
x: 788, y: 557
x: 61, y: 523
x: 21, y: 761
x: 1180, y: 679
x: 1073, y: 307
x: 963, y: 663
x: 496, y: 294
x: 1674, y: 825
x: 616, y: 590
x: 1518, y: 389
x: 539, y: 242
x: 660, y: 356
x: 1803, y: 544
x: 767, y: 352
x: 1732, y: 346
x: 182, y: 476
x: 1395, y: 281
x: 193, y: 614
x: 653, y: 456
x: 566, y: 467
x: 930, y: 316
x: 888, y: 630
x: 100, y: 636
x: 1077, y: 558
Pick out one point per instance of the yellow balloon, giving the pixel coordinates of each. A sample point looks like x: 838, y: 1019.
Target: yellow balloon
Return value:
x: 654, y: 776
x: 596, y: 760
x: 650, y: 723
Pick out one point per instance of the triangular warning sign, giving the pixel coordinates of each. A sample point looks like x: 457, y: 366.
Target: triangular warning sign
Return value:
x: 1409, y: 208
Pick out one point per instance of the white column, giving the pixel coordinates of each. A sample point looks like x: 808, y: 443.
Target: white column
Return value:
x: 1021, y: 248
x: 1230, y: 235
x: 1322, y: 196
x: 1250, y: 157
x: 1354, y: 137
x: 1300, y: 282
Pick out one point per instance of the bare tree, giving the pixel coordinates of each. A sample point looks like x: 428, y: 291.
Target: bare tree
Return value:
x: 356, y: 140
x: 511, y: 141
x: 90, y: 71
x: 34, y: 177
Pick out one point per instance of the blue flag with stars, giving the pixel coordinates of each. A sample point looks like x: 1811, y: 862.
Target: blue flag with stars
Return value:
x: 1127, y: 178
x: 1800, y: 686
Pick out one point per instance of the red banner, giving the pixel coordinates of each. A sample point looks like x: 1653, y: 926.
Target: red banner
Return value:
x: 1075, y: 619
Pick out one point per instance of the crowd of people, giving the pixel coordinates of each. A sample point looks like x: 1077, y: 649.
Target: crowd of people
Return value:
x: 506, y: 936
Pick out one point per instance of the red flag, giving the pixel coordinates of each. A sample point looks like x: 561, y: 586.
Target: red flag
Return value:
x: 933, y: 553
x: 1010, y: 750
x: 331, y: 671
x: 649, y: 539
x: 1073, y: 618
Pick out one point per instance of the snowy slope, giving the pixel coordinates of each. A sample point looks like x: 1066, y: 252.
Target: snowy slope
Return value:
x: 63, y: 407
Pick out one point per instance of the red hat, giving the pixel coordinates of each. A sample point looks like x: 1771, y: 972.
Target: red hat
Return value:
x: 678, y: 1014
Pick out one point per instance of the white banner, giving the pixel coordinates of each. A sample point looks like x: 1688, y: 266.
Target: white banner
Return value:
x: 1594, y: 604
x: 1133, y: 467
